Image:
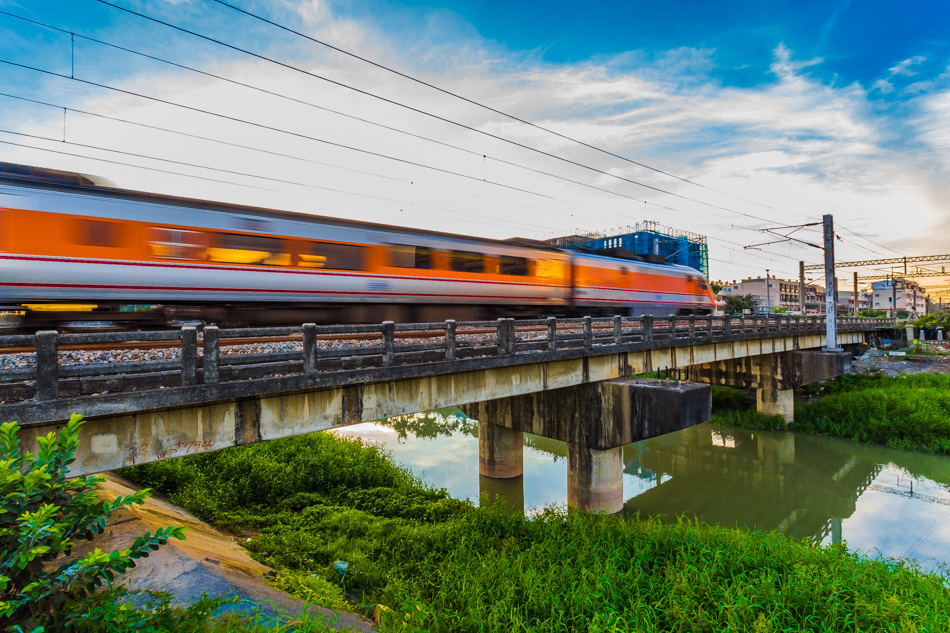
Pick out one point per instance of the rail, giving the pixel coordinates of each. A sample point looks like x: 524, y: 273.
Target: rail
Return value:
x: 212, y: 355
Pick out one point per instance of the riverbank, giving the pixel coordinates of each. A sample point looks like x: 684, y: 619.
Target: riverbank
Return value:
x: 903, y: 412
x: 305, y: 503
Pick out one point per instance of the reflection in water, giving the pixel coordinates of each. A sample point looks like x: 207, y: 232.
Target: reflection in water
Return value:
x: 882, y: 502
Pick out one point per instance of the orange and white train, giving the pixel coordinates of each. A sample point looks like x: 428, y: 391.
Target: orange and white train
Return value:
x: 72, y: 249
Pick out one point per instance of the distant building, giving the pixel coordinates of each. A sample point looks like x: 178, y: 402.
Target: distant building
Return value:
x: 780, y: 293
x: 846, y: 300
x: 909, y: 296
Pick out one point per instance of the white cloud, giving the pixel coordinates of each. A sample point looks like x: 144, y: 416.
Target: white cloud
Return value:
x: 904, y: 67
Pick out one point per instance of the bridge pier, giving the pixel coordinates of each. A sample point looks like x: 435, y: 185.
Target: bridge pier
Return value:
x: 595, y: 479
x: 776, y: 402
x: 500, y: 451
x: 595, y: 420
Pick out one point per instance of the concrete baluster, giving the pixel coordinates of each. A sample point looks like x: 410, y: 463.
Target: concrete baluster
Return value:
x: 742, y: 324
x: 500, y: 343
x: 709, y: 327
x: 552, y: 334
x: 510, y: 337
x: 212, y: 354
x: 310, y: 352
x: 618, y: 330
x: 672, y: 328
x: 588, y: 333
x: 47, y: 364
x: 189, y: 356
x: 646, y: 326
x: 692, y: 326
x: 451, y: 343
x: 389, y: 343
x: 727, y: 325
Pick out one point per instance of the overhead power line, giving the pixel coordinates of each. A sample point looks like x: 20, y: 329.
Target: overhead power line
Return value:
x: 397, y: 130
x: 892, y: 260
x: 425, y: 112
x: 898, y: 276
x: 204, y: 178
x: 513, y: 117
x: 325, y: 109
x: 276, y: 129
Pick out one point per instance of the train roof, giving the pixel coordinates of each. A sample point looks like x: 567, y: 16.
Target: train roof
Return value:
x: 70, y: 182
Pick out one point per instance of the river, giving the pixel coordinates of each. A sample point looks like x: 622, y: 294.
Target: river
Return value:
x: 880, y: 501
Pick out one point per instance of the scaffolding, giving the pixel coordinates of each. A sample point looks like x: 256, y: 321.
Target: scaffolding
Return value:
x: 645, y: 239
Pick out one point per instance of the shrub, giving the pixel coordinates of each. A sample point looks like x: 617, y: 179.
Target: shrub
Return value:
x: 42, y: 515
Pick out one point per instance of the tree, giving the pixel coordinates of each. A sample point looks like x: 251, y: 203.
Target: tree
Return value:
x: 42, y: 515
x: 716, y: 287
x: 736, y: 304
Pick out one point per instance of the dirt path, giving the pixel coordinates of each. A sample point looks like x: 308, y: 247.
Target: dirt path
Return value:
x: 207, y: 561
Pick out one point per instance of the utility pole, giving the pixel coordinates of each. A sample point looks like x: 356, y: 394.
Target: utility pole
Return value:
x: 801, y: 287
x: 831, y: 309
x: 893, y: 296
x: 856, y: 311
x: 768, y: 291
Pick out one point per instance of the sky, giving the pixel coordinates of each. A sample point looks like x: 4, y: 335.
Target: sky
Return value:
x: 717, y: 118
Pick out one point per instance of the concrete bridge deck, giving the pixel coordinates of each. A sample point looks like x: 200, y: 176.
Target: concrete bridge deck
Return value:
x: 142, y: 412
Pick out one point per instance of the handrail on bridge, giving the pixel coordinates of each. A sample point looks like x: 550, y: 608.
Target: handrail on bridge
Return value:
x: 207, y: 356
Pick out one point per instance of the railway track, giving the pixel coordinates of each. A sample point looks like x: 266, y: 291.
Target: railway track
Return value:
x: 148, y: 345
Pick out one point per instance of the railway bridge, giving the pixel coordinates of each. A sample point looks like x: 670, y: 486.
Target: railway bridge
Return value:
x: 574, y: 380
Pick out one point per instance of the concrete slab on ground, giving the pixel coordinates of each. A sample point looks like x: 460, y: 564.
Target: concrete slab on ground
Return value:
x: 207, y: 561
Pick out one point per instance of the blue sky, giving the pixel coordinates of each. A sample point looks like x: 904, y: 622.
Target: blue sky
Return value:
x: 859, y: 41
x: 782, y: 111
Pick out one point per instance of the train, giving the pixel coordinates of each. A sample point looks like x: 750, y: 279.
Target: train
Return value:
x: 76, y: 249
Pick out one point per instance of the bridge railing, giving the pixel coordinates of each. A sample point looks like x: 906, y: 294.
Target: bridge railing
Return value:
x: 51, y: 365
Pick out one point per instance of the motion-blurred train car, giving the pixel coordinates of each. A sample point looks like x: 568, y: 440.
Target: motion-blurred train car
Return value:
x: 72, y: 249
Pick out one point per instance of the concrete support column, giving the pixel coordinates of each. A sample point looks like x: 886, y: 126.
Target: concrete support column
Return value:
x: 595, y: 479
x: 500, y: 451
x: 776, y: 402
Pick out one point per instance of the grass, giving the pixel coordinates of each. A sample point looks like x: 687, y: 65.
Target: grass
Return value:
x: 903, y: 412
x: 154, y: 612
x: 440, y: 564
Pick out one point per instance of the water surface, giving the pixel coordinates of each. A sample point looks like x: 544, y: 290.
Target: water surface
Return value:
x: 882, y: 502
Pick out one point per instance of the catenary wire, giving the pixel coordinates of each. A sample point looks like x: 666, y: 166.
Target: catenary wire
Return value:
x: 509, y: 115
x: 272, y: 128
x: 279, y: 95
x: 426, y: 113
x: 317, y: 106
x: 176, y: 173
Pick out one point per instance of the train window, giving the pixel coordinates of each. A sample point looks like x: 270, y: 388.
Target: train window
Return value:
x: 176, y: 243
x: 97, y: 233
x: 702, y: 285
x: 513, y: 266
x: 411, y: 257
x: 624, y: 270
x: 467, y: 262
x: 334, y: 256
x: 236, y: 248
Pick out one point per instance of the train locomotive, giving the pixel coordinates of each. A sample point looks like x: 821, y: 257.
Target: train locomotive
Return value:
x: 74, y: 249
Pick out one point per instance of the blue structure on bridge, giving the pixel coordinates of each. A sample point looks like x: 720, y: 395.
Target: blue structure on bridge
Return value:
x: 647, y: 239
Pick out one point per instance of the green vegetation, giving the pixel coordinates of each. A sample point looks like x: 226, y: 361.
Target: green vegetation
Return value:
x: 736, y: 304
x: 905, y: 412
x: 440, y: 564
x: 935, y: 319
x: 42, y: 589
x: 42, y: 516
